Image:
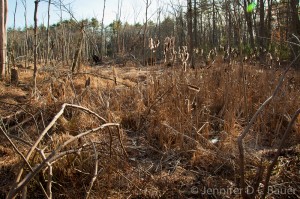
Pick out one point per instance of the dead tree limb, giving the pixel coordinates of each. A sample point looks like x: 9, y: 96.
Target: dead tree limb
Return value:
x: 24, y: 192
x: 95, y: 172
x: 15, y: 148
x: 247, y: 128
x: 78, y: 50
x: 57, y: 153
x: 36, y: 3
x: 283, y: 139
x: 52, y: 157
x: 50, y: 126
x: 50, y: 174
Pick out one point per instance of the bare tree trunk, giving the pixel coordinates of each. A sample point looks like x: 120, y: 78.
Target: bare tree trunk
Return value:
x: 190, y: 31
x: 214, y: 24
x: 157, y: 53
x: 237, y: 25
x: 145, y: 30
x: 182, y: 28
x: 68, y: 46
x: 2, y: 57
x: 36, y: 4
x: 13, y: 45
x: 229, y: 24
x: 78, y: 50
x: 119, y: 24
x: 295, y: 27
x: 102, y: 28
x: 261, y: 23
x: 3, y: 38
x: 63, y: 36
x: 195, y: 24
x: 14, y: 26
x: 269, y: 21
x: 48, y: 33
x: 295, y: 24
x: 249, y: 24
x: 201, y: 29
x: 26, y: 32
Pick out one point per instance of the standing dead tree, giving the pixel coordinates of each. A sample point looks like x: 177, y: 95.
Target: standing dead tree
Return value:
x: 36, y: 4
x: 48, y: 33
x: 63, y: 41
x: 78, y: 50
x: 3, y: 38
x: 102, y: 30
x: 190, y: 30
x: 11, y: 55
x: 249, y: 24
x: 24, y: 2
x: 148, y: 3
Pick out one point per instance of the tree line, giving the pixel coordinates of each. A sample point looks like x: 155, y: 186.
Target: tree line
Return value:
x: 206, y: 24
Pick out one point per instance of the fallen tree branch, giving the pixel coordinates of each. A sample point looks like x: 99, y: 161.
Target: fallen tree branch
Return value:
x: 117, y: 80
x: 24, y: 159
x: 95, y: 172
x: 50, y: 125
x: 50, y: 174
x: 19, y: 113
x: 53, y: 156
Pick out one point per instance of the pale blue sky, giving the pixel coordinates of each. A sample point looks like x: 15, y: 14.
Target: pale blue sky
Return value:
x: 132, y: 10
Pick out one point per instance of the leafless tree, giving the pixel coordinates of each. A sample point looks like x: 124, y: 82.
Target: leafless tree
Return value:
x: 36, y: 4
x: 249, y: 23
x: 190, y: 31
x: 48, y: 33
x: 3, y: 38
x: 148, y: 3
x: 102, y: 29
x: 78, y: 50
x: 24, y: 2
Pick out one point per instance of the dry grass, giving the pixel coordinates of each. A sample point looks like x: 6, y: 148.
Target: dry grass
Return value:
x: 179, y: 129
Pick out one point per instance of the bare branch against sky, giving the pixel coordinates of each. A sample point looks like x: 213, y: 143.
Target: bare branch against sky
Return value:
x: 93, y: 8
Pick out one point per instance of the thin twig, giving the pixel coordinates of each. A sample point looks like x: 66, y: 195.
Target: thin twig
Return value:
x: 19, y: 139
x: 15, y: 148
x: 207, y: 142
x: 129, y: 181
x: 179, y: 133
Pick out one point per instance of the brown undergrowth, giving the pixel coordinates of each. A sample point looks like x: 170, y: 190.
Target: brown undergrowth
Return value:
x: 179, y: 130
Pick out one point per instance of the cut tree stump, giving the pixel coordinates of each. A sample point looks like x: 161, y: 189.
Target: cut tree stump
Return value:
x: 14, y: 78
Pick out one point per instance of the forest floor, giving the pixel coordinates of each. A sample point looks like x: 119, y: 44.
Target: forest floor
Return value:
x: 164, y: 133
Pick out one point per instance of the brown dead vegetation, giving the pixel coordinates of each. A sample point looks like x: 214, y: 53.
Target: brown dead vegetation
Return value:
x: 179, y: 131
